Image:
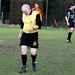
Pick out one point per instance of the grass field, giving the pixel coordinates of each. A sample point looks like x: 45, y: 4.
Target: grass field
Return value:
x: 55, y: 56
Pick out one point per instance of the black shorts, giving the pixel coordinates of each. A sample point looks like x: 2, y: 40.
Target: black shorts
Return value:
x: 30, y: 39
x: 71, y: 24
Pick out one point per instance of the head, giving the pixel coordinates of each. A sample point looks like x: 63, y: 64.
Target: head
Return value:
x: 73, y: 6
x: 36, y: 5
x: 25, y: 9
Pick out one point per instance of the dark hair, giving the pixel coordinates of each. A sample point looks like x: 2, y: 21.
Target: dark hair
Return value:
x: 72, y: 4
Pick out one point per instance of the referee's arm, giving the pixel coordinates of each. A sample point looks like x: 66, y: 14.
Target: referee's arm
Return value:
x: 38, y: 21
x: 21, y: 30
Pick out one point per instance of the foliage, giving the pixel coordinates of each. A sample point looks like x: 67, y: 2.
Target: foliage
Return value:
x: 52, y: 3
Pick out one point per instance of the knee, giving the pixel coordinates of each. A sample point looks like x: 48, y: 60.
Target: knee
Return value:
x: 24, y: 51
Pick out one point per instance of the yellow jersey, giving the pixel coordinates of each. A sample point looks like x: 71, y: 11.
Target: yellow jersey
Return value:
x: 29, y: 21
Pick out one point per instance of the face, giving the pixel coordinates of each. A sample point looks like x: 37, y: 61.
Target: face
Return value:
x: 36, y: 5
x: 26, y: 12
x: 73, y: 7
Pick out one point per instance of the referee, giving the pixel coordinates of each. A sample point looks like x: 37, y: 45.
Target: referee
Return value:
x: 70, y: 20
x: 28, y: 35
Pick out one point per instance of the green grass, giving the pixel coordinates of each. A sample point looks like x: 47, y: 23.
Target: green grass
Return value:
x: 55, y: 56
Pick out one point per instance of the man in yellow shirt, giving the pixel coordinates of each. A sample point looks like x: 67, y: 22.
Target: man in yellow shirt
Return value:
x: 28, y: 35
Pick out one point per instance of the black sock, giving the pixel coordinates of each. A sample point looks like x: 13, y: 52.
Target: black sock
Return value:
x: 24, y: 60
x: 33, y: 58
x: 69, y: 35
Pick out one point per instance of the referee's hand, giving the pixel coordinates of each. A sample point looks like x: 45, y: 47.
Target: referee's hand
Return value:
x: 19, y: 37
x: 31, y: 29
